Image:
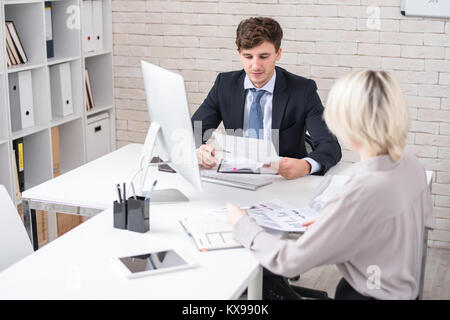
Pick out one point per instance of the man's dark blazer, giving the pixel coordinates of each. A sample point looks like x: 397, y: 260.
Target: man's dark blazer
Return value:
x: 296, y: 107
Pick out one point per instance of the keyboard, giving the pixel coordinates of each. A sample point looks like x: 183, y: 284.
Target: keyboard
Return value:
x: 237, y: 180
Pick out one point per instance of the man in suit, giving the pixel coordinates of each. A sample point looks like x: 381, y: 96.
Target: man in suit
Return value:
x: 268, y: 102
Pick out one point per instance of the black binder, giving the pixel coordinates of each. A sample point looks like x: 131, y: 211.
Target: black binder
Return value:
x: 19, y: 152
x: 49, y: 29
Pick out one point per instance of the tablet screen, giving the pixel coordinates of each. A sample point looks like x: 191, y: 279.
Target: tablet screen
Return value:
x: 153, y: 261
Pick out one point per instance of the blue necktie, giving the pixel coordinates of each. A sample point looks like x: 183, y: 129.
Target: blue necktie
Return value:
x: 255, y: 123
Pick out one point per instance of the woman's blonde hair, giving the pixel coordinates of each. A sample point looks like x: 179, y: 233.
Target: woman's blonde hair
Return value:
x: 367, y: 107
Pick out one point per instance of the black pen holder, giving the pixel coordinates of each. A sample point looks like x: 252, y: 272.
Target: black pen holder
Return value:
x: 132, y: 215
x: 119, y: 213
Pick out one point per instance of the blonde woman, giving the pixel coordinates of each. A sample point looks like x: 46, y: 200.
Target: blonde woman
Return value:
x: 373, y: 227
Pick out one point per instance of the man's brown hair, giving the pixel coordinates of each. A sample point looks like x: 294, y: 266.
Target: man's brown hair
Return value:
x: 254, y: 31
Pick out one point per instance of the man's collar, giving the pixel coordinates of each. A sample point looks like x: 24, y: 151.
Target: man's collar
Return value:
x: 269, y: 86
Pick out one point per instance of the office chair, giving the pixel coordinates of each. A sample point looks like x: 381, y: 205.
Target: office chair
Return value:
x: 14, y: 241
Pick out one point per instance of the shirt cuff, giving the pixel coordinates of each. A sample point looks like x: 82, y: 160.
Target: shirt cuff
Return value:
x: 315, y: 166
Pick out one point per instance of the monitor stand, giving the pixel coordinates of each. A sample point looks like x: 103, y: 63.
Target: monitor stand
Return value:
x: 162, y: 195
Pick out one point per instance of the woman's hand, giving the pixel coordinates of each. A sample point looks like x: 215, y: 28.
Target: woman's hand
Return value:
x: 235, y: 213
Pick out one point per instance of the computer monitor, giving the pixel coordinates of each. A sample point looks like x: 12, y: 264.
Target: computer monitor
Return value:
x: 170, y: 125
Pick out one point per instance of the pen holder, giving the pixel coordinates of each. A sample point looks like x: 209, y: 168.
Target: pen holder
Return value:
x: 132, y: 215
x: 119, y: 211
x: 138, y: 217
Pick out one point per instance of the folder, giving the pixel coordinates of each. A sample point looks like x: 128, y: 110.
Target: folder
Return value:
x: 11, y: 55
x: 16, y: 178
x: 97, y: 24
x: 88, y: 27
x: 21, y: 99
x: 19, y: 157
x: 61, y: 89
x: 89, y: 95
x: 9, y: 60
x: 17, y: 43
x: 55, y: 152
x: 11, y: 47
x: 49, y: 29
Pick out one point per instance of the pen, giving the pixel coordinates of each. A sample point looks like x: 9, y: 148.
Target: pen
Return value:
x: 134, y: 192
x: 247, y: 208
x: 118, y: 191
x: 149, y: 193
x: 124, y: 192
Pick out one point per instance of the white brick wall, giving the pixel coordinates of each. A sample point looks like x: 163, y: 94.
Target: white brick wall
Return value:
x: 323, y: 39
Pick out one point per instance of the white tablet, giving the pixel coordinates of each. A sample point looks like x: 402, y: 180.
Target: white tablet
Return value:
x: 151, y: 263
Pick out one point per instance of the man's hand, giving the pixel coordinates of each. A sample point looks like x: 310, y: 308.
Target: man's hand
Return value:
x: 291, y: 168
x: 235, y: 213
x: 205, y: 156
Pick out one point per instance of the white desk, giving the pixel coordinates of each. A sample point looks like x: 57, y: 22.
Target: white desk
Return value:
x: 77, y: 265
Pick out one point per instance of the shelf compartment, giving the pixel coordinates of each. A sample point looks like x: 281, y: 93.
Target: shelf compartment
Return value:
x: 77, y: 90
x: 96, y: 18
x: 37, y: 158
x: 101, y: 79
x: 71, y: 146
x: 28, y: 20
x: 65, y: 29
x: 41, y: 101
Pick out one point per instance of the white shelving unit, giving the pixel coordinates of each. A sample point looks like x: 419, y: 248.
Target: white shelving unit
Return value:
x: 69, y: 47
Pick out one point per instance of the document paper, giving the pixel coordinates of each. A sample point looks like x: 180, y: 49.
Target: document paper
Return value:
x: 280, y: 216
x: 276, y: 215
x: 249, y: 150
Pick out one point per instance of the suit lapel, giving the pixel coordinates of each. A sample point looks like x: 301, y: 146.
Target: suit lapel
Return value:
x: 238, y: 102
x: 279, y: 100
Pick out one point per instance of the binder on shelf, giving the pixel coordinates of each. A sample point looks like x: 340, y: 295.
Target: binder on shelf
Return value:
x: 16, y: 39
x: 61, y: 89
x: 19, y: 157
x: 16, y: 178
x: 55, y: 152
x: 49, y: 29
x: 11, y: 48
x: 9, y: 61
x: 21, y: 100
x: 89, y: 95
x: 87, y: 22
x: 97, y: 24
